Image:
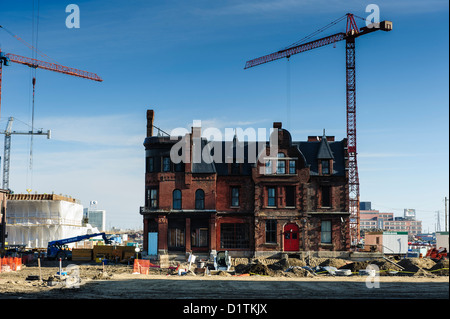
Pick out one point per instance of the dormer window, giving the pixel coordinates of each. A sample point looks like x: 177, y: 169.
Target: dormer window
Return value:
x: 291, y: 167
x: 281, y: 164
x: 325, y: 167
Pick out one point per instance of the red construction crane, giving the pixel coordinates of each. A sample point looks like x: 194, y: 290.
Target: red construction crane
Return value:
x: 352, y: 32
x: 6, y: 58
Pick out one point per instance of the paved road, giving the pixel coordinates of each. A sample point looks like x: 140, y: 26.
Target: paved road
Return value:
x: 156, y: 288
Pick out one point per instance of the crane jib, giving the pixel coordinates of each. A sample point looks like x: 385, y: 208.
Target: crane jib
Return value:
x: 295, y: 50
x: 33, y: 63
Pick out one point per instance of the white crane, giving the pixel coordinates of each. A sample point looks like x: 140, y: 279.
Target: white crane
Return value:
x: 7, y: 151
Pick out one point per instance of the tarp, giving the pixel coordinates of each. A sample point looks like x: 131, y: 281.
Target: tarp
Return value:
x: 34, y: 223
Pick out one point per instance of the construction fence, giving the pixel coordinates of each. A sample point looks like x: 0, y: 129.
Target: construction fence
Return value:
x: 10, y: 264
x: 141, y: 266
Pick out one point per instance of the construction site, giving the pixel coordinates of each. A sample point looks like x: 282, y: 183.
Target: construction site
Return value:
x: 287, y: 227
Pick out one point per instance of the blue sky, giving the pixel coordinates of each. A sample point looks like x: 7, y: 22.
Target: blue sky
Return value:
x: 185, y: 59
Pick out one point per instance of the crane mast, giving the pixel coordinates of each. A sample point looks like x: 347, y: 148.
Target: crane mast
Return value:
x: 352, y: 32
x: 7, y: 148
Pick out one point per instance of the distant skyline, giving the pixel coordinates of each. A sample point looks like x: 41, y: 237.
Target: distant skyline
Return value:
x: 185, y: 60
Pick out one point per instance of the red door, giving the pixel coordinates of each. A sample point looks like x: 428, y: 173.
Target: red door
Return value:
x: 291, y: 239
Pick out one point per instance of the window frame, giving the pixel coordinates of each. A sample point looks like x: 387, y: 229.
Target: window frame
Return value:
x: 152, y: 197
x: 327, y: 203
x: 177, y: 200
x: 199, y: 199
x: 269, y: 197
x: 271, y: 231
x: 234, y: 197
x: 292, y: 168
x: 166, y: 166
x: 281, y: 164
x: 326, y: 232
x: 150, y: 164
x: 294, y: 197
x: 326, y: 169
x: 231, y: 236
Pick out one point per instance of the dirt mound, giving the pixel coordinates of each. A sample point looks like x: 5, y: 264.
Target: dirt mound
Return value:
x: 334, y: 262
x: 260, y: 269
x: 356, y: 266
x: 242, y: 268
x: 415, y: 264
x: 298, y: 272
x: 296, y: 262
x: 223, y: 273
x: 440, y: 268
x: 314, y: 261
x: 284, y: 264
x: 386, y: 268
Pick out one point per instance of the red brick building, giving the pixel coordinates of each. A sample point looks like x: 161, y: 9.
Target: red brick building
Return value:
x: 293, y: 200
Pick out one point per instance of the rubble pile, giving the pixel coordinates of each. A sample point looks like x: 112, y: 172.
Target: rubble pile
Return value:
x: 312, y: 266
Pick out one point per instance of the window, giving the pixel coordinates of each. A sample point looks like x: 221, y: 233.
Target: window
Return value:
x: 234, y: 235
x: 271, y: 197
x: 234, y: 196
x: 152, y: 197
x: 199, y: 237
x: 166, y: 164
x: 176, y: 199
x: 326, y: 232
x: 325, y: 196
x: 325, y: 167
x: 271, y: 231
x: 290, y: 196
x: 150, y: 165
x: 281, y: 164
x: 176, y: 237
x: 291, y: 167
x: 199, y: 199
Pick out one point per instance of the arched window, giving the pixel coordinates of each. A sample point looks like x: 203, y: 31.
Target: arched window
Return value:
x: 176, y: 199
x: 199, y: 199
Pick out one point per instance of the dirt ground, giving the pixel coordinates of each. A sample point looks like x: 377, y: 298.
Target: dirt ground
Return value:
x: 286, y: 279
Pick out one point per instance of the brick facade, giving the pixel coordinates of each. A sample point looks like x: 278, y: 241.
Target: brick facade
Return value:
x: 294, y: 201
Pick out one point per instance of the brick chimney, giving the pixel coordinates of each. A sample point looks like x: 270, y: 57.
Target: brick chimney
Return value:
x: 150, y: 117
x: 277, y: 125
x: 197, y: 129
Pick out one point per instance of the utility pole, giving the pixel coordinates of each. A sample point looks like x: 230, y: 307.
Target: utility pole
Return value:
x: 445, y: 200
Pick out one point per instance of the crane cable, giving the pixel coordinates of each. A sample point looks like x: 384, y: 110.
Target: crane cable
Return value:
x: 34, y: 37
x: 31, y: 47
x: 329, y: 25
x: 288, y: 93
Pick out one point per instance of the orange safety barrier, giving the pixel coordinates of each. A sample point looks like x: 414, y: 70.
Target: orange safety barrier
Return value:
x: 141, y: 266
x: 10, y: 264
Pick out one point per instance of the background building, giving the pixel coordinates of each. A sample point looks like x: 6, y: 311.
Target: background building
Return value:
x: 376, y: 220
x: 95, y: 217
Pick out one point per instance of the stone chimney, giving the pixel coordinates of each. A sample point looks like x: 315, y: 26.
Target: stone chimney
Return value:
x: 150, y: 117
